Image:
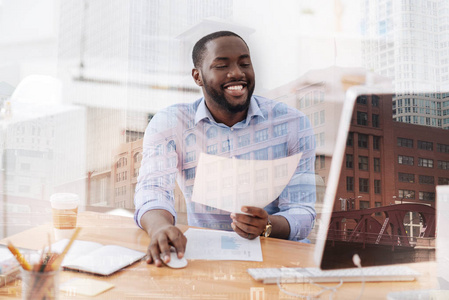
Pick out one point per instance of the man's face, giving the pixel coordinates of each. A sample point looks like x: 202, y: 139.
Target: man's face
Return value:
x: 227, y: 74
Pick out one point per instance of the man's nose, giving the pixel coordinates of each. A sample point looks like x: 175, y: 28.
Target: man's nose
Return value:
x: 236, y: 72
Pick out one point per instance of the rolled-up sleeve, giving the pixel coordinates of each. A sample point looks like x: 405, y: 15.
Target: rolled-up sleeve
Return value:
x: 297, y: 201
x: 156, y: 180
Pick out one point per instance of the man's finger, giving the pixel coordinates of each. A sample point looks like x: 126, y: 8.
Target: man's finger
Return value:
x: 255, y: 211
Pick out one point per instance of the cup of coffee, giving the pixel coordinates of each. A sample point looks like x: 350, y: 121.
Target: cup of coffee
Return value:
x: 64, y: 210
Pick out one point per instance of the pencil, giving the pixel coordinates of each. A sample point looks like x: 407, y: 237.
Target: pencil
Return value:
x: 22, y: 261
x: 57, y: 262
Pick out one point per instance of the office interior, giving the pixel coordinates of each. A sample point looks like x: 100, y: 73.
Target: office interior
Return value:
x: 80, y: 80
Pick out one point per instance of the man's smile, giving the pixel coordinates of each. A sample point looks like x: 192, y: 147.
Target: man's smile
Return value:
x: 235, y: 89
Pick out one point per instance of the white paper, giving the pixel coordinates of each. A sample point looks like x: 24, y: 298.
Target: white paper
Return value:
x: 230, y: 183
x: 221, y: 245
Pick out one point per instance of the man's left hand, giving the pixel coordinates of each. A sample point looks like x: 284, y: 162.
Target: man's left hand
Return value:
x: 252, y: 225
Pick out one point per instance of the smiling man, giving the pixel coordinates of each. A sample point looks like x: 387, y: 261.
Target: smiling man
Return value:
x: 230, y: 122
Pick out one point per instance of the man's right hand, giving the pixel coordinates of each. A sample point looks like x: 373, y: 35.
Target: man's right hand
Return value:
x: 161, y: 241
x: 158, y: 223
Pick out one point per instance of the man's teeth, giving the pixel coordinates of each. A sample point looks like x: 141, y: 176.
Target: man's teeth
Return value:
x: 235, y: 87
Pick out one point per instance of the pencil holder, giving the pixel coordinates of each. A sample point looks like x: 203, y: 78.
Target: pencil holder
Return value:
x: 40, y: 285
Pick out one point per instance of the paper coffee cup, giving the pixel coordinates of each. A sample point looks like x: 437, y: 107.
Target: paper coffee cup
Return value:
x: 64, y: 210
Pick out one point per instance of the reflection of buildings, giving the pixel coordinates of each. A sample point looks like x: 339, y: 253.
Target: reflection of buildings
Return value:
x: 407, y: 41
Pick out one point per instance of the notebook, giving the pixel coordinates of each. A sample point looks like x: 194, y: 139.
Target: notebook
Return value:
x: 96, y: 258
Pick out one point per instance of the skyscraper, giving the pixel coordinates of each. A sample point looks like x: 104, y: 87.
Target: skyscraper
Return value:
x: 408, y: 41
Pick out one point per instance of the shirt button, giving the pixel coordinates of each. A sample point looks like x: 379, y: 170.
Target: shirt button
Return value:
x: 232, y: 129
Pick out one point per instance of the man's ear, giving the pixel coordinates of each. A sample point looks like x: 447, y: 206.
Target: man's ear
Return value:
x: 197, y: 77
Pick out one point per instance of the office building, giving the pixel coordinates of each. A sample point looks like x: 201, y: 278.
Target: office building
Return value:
x: 407, y: 41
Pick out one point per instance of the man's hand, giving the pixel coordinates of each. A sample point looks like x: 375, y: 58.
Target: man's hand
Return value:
x: 252, y: 225
x: 162, y: 240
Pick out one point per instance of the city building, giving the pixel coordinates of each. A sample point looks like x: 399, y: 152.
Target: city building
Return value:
x: 407, y: 41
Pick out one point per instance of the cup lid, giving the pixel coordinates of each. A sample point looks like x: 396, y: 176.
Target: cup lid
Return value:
x: 64, y: 198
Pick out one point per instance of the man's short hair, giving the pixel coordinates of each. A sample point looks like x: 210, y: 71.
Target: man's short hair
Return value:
x: 200, y: 46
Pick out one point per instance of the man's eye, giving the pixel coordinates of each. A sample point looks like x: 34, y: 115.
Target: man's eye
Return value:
x: 245, y: 65
x: 220, y: 66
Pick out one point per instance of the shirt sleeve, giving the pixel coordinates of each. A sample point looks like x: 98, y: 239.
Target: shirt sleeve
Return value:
x: 297, y: 201
x: 157, y: 173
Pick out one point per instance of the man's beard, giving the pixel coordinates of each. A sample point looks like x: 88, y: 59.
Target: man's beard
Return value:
x: 219, y: 98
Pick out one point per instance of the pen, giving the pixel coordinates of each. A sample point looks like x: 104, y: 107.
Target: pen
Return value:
x: 22, y: 261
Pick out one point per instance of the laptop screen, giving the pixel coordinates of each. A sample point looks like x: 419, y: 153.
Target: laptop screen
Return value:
x: 378, y: 172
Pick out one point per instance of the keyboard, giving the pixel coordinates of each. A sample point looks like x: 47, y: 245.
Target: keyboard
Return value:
x: 300, y: 275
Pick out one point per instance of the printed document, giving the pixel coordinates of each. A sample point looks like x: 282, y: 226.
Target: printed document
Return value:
x: 230, y: 183
x: 221, y: 245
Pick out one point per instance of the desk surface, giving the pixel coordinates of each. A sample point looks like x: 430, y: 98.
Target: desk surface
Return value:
x: 201, y: 279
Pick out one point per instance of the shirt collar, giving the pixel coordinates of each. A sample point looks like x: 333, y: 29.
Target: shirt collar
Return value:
x: 203, y: 112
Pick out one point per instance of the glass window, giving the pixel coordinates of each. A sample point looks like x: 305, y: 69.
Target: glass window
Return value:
x: 280, y: 150
x: 424, y: 179
x: 427, y: 196
x: 405, y: 160
x: 350, y: 184
x: 363, y: 185
x: 403, y: 142
x: 261, y: 135
x: 425, y: 162
x: 377, y: 186
x: 362, y: 118
x: 406, y: 177
x: 190, y: 140
x: 171, y: 146
x: 212, y: 149
x: 363, y: 141
x: 350, y: 140
x: 189, y: 173
x: 444, y: 165
x: 425, y: 145
x: 279, y: 110
x: 361, y: 99
x: 212, y: 132
x: 363, y: 163
x: 375, y: 120
x: 190, y: 156
x: 376, y: 142
x: 280, y: 129
x: 244, y: 140
x: 364, y: 204
x: 376, y: 164
x: 261, y: 154
x: 375, y: 100
x: 226, y: 146
x: 349, y: 161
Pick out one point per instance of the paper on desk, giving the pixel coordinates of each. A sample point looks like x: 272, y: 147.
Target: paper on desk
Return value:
x: 230, y: 183
x: 221, y: 245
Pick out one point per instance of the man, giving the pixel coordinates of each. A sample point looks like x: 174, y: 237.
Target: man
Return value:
x: 229, y: 121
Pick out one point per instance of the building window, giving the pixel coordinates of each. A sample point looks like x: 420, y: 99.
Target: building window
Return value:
x: 362, y: 99
x: 403, y: 142
x: 405, y: 160
x: 425, y: 162
x: 279, y: 110
x: 375, y: 101
x: 190, y: 156
x: 280, y: 129
x: 244, y: 140
x: 424, y: 179
x: 363, y: 141
x: 410, y: 194
x: 443, y: 181
x: 375, y: 121
x: 406, y: 177
x: 261, y: 154
x: 171, y: 146
x: 261, y: 135
x: 444, y: 165
x: 376, y: 142
x: 443, y: 148
x: 350, y: 140
x: 362, y: 118
x: 427, y: 196
x: 363, y: 163
x: 376, y: 164
x: 212, y: 149
x: 350, y: 184
x: 349, y: 161
x: 280, y: 151
x: 280, y: 171
x: 377, y: 188
x: 364, y: 204
x: 226, y: 146
x: 425, y: 145
x: 189, y: 173
x: 190, y: 140
x: 363, y: 185
x: 212, y: 132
